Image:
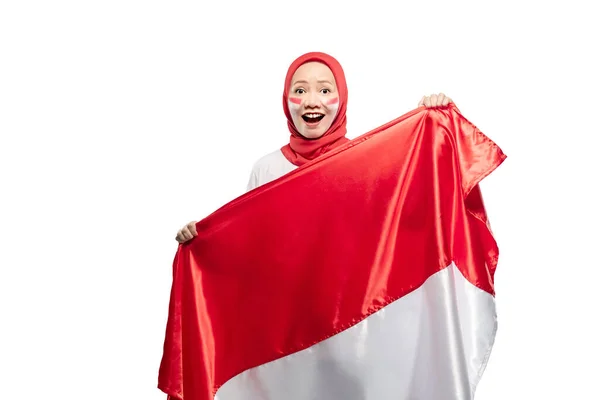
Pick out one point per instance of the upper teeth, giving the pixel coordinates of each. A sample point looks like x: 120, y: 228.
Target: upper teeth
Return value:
x: 313, y: 115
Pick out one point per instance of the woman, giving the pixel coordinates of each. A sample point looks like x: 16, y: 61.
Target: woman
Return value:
x: 315, y: 97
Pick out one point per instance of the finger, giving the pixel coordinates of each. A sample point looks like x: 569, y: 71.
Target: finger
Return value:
x: 434, y: 100
x: 179, y: 237
x: 442, y: 99
x: 427, y: 102
x: 421, y: 102
x: 188, y: 234
x: 192, y: 228
x: 185, y: 235
x: 182, y: 235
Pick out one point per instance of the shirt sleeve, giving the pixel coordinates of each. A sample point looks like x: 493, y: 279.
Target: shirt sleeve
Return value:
x: 253, y: 181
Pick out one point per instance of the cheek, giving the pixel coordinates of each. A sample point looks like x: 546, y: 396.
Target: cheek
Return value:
x: 332, y: 102
x: 294, y: 104
x: 332, y: 105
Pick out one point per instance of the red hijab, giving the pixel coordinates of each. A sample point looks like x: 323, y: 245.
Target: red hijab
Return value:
x: 301, y: 150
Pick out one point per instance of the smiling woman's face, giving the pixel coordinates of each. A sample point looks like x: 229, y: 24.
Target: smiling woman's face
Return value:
x: 313, y: 99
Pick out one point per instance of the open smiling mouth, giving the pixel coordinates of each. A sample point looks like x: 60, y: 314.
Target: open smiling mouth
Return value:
x: 313, y: 118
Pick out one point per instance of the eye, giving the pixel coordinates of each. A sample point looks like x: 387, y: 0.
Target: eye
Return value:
x: 325, y: 91
x: 299, y: 91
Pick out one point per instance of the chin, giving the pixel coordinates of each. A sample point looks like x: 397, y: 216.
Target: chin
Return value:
x: 312, y: 135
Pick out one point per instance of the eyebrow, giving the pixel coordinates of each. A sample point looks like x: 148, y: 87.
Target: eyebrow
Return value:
x: 319, y: 81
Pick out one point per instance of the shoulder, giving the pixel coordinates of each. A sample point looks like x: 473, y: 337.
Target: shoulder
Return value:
x: 268, y: 159
x: 269, y: 167
x: 271, y: 162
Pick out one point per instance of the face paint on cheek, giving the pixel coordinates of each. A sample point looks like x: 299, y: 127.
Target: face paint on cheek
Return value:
x: 294, y: 103
x: 332, y: 105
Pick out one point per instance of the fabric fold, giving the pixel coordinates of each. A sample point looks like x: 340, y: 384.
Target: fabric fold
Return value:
x: 295, y: 263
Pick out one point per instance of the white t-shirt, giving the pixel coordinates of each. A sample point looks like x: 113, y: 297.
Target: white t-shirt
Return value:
x: 268, y: 168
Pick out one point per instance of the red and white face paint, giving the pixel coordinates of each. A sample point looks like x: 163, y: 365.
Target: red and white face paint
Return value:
x: 313, y: 99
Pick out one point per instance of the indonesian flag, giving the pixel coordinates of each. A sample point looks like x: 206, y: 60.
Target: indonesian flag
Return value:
x: 365, y: 274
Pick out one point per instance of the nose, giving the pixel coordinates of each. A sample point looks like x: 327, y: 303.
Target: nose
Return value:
x: 312, y: 99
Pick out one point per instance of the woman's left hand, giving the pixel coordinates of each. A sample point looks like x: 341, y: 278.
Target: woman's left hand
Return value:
x: 435, y: 100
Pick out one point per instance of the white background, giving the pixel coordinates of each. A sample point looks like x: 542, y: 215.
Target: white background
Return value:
x: 120, y: 121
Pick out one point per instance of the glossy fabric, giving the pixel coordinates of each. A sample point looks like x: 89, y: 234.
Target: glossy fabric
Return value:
x: 300, y: 150
x: 432, y: 344
x: 318, y: 250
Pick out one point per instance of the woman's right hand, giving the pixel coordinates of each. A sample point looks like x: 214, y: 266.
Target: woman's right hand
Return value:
x: 187, y: 232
